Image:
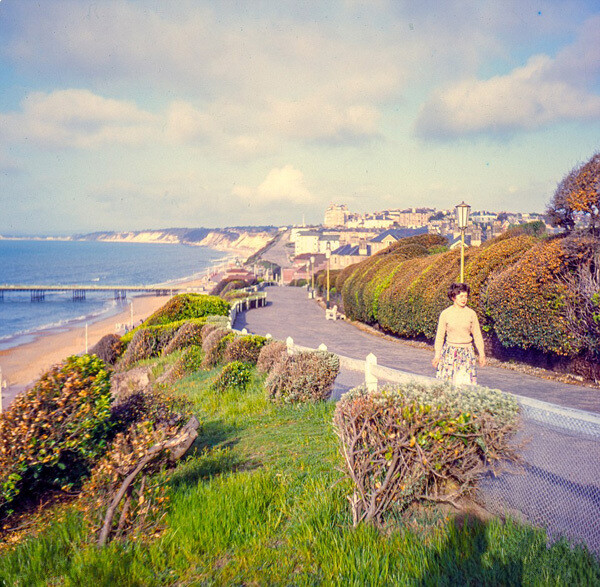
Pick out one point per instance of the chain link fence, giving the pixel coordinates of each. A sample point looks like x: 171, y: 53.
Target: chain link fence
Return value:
x: 558, y: 487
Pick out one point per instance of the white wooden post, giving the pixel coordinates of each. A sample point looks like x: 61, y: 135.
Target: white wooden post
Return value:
x: 289, y: 341
x: 370, y: 378
x: 322, y: 347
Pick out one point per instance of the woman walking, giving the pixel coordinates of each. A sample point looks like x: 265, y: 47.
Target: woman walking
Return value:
x: 458, y: 330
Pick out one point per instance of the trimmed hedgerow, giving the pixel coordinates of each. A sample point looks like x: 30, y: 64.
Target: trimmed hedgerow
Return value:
x: 270, y: 354
x: 307, y: 376
x: 417, y: 442
x: 108, y: 349
x: 244, y: 348
x: 186, y: 306
x: 526, y: 302
x: 235, y: 376
x: 51, y: 434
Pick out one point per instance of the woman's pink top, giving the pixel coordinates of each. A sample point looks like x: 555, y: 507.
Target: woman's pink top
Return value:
x: 460, y: 327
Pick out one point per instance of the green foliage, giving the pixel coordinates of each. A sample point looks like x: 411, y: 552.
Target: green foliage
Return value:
x: 51, y: 434
x: 420, y: 442
x: 186, y: 306
x: 235, y: 375
x: 244, y: 348
x: 307, y: 376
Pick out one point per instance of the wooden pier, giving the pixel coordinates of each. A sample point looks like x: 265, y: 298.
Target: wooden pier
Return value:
x: 38, y: 292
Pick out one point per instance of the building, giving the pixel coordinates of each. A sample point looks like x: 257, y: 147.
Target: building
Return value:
x: 347, y: 255
x: 335, y: 215
x: 391, y: 236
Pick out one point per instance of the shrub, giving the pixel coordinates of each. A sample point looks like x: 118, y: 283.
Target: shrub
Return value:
x: 230, y: 283
x: 577, y: 197
x: 108, y: 349
x: 214, y: 345
x: 307, y: 376
x: 244, y: 348
x: 142, y: 421
x: 186, y: 306
x: 50, y: 434
x: 190, y: 333
x: 526, y: 302
x: 410, y: 443
x: 235, y: 375
x: 270, y: 354
x: 147, y: 342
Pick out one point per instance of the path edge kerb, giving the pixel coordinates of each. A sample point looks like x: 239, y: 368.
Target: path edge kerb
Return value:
x: 389, y: 375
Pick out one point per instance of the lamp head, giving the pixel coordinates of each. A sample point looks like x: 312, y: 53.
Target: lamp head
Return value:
x: 462, y: 215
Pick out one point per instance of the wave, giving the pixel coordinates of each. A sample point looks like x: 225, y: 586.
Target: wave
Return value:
x: 26, y: 335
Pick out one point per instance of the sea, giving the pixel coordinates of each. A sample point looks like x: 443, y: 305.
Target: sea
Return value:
x: 54, y: 262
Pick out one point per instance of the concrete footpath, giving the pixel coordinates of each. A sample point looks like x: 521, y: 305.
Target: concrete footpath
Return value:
x: 289, y: 312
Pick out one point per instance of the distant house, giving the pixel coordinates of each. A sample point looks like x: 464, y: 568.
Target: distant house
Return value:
x: 393, y: 235
x: 349, y: 254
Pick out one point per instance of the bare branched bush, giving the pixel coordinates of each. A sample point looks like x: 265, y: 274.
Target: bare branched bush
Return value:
x: 271, y: 354
x: 401, y: 445
x: 307, y: 376
x: 582, y: 310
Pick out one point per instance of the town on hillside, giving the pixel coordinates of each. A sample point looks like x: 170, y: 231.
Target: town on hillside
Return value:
x: 349, y: 237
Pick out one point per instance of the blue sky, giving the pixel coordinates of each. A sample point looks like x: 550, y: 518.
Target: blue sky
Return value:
x: 132, y: 114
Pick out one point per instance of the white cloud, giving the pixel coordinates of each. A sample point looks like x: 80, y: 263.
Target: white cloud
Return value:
x: 77, y: 118
x: 285, y: 184
x: 543, y: 91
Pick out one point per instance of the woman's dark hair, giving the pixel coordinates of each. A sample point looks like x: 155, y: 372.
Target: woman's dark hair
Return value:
x: 457, y: 288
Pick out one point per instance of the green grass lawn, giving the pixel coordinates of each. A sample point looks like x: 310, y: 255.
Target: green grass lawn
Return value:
x: 260, y: 501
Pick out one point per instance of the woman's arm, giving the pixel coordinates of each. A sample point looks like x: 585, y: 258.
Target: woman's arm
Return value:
x: 439, y: 339
x: 478, y: 339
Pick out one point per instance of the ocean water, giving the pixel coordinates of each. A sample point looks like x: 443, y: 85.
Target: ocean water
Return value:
x: 36, y: 262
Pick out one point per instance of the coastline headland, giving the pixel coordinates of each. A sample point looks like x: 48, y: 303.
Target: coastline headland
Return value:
x: 22, y: 365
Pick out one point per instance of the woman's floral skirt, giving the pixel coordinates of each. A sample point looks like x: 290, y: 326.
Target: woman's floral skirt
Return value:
x: 457, y: 365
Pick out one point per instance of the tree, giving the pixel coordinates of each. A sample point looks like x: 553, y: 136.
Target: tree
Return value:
x: 577, y: 197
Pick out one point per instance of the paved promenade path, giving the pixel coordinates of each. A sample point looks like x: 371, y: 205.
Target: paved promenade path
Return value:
x: 290, y: 312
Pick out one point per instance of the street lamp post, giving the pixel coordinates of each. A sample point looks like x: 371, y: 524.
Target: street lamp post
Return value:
x: 327, y: 256
x: 462, y: 220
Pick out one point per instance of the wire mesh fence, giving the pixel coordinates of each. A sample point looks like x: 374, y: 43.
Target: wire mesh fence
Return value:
x: 558, y: 487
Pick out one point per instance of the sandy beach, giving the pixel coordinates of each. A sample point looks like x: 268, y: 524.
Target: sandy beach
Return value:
x: 24, y: 364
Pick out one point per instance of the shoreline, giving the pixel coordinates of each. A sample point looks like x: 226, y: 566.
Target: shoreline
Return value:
x: 23, y: 364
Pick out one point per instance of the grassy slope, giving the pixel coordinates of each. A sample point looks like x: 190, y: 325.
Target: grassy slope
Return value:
x: 260, y: 502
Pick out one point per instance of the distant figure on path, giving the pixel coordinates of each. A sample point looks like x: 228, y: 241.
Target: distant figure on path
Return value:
x: 458, y: 330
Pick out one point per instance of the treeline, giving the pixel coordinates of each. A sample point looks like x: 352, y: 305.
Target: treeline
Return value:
x: 537, y: 297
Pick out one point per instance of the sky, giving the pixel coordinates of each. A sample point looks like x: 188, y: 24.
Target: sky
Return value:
x: 137, y: 114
